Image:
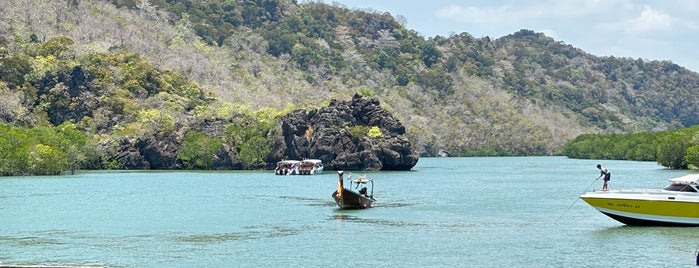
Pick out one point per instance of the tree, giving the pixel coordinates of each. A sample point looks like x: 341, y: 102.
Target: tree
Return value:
x: 72, y: 145
x: 671, y: 150
x: 14, y: 151
x: 156, y: 122
x: 46, y: 160
x: 13, y: 70
x: 251, y: 142
x: 691, y: 157
x: 55, y: 46
x: 12, y: 108
x: 198, y: 150
x: 430, y: 54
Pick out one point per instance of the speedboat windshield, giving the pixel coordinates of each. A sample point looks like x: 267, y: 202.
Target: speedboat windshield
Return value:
x: 680, y: 187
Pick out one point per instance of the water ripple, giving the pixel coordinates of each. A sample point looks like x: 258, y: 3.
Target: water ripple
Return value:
x: 352, y: 218
x: 313, y: 202
x: 218, y: 238
x: 255, y: 232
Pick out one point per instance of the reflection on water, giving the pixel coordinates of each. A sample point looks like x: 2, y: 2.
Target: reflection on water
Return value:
x: 314, y: 202
x: 29, y: 241
x: 218, y: 238
x: 395, y: 204
x: 254, y: 232
x: 356, y: 219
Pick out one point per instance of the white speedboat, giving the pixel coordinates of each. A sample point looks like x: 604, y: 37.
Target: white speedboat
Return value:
x: 675, y: 205
x: 311, y: 167
x: 287, y: 167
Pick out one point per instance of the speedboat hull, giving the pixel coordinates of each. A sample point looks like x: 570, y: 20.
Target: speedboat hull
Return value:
x: 647, y: 207
x: 310, y: 171
x: 352, y: 200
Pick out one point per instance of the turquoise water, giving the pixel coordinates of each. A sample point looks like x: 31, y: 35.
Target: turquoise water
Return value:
x: 446, y: 212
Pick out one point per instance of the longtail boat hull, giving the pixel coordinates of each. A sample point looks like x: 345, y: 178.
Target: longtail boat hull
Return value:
x: 348, y: 199
x: 352, y: 200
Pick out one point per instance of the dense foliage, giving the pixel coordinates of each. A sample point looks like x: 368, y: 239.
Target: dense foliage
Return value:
x: 129, y: 71
x: 198, y: 150
x: 41, y: 150
x: 673, y: 149
x: 66, y: 109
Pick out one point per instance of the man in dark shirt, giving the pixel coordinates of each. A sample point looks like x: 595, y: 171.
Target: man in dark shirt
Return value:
x: 607, y: 176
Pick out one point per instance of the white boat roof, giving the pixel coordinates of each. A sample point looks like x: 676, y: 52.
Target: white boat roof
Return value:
x: 362, y: 179
x: 289, y: 161
x: 688, y: 179
x: 312, y: 160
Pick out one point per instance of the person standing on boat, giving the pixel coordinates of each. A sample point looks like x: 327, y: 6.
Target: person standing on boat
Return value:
x: 607, y: 176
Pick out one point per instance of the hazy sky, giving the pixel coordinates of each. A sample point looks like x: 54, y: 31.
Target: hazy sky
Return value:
x: 647, y: 29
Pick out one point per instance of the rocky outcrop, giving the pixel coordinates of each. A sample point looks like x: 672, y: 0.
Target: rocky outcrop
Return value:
x: 144, y: 153
x: 338, y: 135
x: 160, y: 153
x: 67, y: 95
x: 226, y: 159
x: 127, y: 155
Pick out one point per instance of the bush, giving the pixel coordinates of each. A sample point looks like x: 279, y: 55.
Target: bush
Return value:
x: 671, y: 150
x: 198, y: 150
x: 40, y: 150
x: 691, y: 157
x: 251, y: 143
x: 375, y: 132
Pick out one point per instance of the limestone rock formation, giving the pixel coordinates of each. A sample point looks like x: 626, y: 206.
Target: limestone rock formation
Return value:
x: 338, y: 135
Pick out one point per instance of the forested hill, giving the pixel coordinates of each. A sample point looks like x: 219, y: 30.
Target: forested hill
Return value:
x: 115, y: 67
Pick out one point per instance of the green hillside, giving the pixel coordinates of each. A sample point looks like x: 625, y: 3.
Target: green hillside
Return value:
x: 122, y: 69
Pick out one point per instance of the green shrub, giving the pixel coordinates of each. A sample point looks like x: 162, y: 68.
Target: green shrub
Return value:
x: 374, y: 132
x: 198, y: 150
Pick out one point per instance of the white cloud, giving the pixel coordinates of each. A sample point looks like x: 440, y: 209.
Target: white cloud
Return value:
x: 527, y: 10
x: 649, y: 20
x: 472, y: 14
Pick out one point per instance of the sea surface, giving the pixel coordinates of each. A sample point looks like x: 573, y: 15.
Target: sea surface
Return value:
x: 446, y: 212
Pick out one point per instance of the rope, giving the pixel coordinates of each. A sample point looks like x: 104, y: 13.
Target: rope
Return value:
x: 576, y: 200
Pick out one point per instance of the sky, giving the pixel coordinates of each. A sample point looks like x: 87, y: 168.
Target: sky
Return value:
x: 646, y: 29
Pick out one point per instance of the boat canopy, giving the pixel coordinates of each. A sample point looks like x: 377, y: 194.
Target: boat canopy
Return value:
x: 686, y: 183
x: 686, y: 179
x: 362, y: 179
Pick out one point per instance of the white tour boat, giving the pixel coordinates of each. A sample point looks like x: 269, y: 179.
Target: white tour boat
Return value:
x: 287, y: 167
x: 310, y: 167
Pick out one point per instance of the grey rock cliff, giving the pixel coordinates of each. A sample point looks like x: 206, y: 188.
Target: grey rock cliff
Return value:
x: 338, y: 135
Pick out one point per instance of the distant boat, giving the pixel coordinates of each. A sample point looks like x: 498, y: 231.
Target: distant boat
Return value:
x: 346, y: 198
x: 287, y: 167
x: 311, y: 167
x: 675, y: 205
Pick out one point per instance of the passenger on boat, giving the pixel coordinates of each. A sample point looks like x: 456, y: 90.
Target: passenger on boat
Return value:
x: 607, y: 176
x: 362, y: 191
